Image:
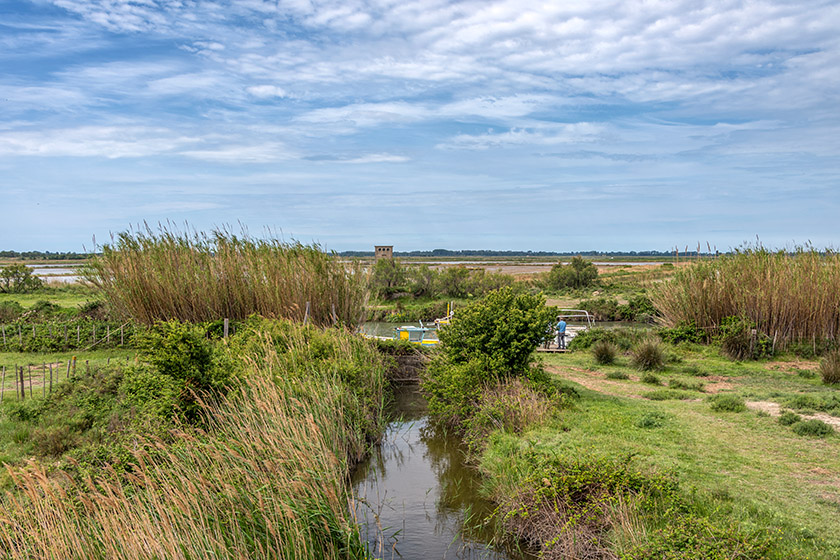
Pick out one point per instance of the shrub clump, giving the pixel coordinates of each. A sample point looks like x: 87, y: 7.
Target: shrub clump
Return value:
x: 727, y: 403
x: 604, y: 352
x: 667, y: 395
x: 812, y: 428
x: 740, y: 340
x: 830, y: 368
x: 648, y: 355
x: 788, y: 418
x: 651, y: 420
x: 617, y: 375
x: 579, y: 273
x: 488, y: 341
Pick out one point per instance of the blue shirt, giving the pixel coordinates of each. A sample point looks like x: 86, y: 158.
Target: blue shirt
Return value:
x: 561, y: 327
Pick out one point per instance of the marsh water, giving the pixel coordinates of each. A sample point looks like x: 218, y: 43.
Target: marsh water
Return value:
x: 415, y: 496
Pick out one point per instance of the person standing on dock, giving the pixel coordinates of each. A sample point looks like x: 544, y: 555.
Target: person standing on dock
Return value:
x: 561, y: 333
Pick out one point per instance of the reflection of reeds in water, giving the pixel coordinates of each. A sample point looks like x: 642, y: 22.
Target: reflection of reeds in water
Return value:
x: 203, y: 277
x: 790, y: 297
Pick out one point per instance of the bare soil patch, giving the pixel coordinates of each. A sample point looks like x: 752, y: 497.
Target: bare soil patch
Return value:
x: 774, y: 409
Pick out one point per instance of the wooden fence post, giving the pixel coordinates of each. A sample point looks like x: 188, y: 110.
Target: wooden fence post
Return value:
x: 226, y: 327
x: 108, y: 334
x: 51, y: 375
x: 22, y: 385
x: 122, y: 339
x: 29, y: 369
x: 3, y: 385
x: 20, y: 341
x: 306, y: 315
x: 78, y: 334
x: 68, y: 370
x: 44, y: 386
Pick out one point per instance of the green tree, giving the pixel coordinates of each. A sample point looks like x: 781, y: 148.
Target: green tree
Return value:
x: 388, y: 277
x: 18, y: 278
x: 579, y: 273
x: 488, y: 341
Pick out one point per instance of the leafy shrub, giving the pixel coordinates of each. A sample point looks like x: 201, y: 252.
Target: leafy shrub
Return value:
x: 617, y: 375
x: 622, y: 338
x: 812, y: 428
x: 788, y: 418
x: 182, y: 352
x: 683, y: 332
x: 648, y: 355
x: 52, y: 441
x: 691, y: 537
x: 811, y: 349
x: 10, y: 311
x: 604, y: 352
x: 638, y: 308
x: 741, y: 341
x: 45, y: 308
x: 579, y: 273
x: 488, y: 341
x: 727, y: 403
x: 830, y: 368
x: 603, y: 309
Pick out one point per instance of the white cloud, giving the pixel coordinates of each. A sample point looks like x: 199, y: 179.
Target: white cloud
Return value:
x: 266, y: 91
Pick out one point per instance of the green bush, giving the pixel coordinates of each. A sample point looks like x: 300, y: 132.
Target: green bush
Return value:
x: 622, y: 338
x: 788, y: 418
x: 182, y: 352
x: 648, y: 355
x: 812, y: 428
x: 617, y: 375
x: 579, y: 273
x: 727, y: 403
x: 683, y: 332
x: 10, y: 311
x: 830, y: 368
x: 740, y: 340
x: 604, y: 352
x: 603, y: 309
x: 488, y: 341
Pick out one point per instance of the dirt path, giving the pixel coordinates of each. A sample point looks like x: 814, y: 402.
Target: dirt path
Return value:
x: 774, y: 409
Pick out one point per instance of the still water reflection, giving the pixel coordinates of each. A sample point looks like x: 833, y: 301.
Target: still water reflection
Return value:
x: 416, y: 499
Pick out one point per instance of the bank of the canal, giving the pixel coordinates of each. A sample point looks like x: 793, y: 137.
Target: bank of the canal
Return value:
x: 416, y: 498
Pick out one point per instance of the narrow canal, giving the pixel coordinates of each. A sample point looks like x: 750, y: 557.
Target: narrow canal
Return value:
x: 415, y: 497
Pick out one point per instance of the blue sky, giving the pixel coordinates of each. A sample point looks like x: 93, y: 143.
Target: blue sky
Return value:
x: 518, y: 125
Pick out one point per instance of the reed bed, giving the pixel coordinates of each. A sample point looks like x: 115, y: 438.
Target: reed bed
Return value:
x: 152, y: 276
x: 267, y: 478
x: 789, y: 296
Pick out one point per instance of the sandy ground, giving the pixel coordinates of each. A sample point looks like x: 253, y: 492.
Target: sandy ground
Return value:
x: 774, y: 409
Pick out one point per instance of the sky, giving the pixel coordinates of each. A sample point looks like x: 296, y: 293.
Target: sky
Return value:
x: 562, y: 125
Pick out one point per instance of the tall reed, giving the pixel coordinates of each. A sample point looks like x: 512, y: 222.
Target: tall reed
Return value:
x: 163, y: 275
x: 267, y: 478
x: 791, y: 297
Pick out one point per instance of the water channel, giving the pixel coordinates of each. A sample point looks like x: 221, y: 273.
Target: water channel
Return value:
x: 415, y: 497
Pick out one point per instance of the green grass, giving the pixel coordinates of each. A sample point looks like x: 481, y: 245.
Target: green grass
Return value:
x: 71, y: 297
x: 744, y: 466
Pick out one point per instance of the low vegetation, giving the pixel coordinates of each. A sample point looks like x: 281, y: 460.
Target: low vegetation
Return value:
x: 255, y: 467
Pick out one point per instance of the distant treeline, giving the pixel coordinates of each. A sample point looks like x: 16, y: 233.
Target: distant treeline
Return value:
x: 489, y: 253
x: 44, y: 255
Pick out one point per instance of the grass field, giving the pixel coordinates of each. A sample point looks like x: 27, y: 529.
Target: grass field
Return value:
x: 744, y: 466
